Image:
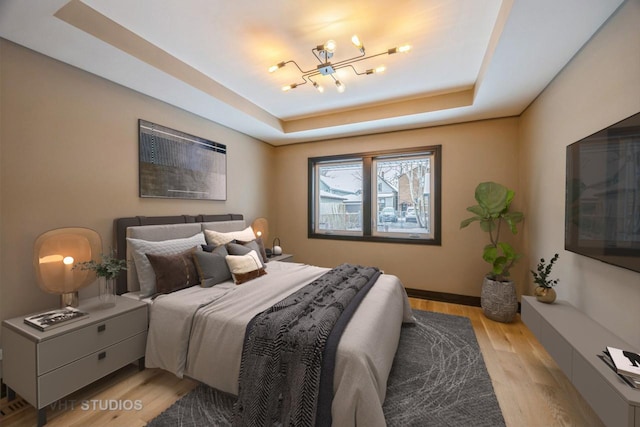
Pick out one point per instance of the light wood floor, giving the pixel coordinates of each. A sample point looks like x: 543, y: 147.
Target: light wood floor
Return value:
x: 531, y: 389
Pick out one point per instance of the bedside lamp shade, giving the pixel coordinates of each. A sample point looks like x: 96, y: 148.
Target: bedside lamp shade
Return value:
x: 261, y: 228
x: 56, y: 252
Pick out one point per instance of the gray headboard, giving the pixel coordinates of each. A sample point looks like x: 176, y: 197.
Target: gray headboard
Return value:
x: 120, y: 226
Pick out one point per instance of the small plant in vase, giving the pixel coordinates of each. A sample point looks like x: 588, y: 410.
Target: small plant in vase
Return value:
x: 544, y: 291
x: 107, y: 271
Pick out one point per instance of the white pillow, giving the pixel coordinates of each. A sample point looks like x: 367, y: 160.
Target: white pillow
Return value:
x: 217, y: 238
x: 245, y: 267
x: 139, y: 249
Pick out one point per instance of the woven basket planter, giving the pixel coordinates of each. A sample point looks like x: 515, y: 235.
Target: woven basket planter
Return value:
x: 499, y: 300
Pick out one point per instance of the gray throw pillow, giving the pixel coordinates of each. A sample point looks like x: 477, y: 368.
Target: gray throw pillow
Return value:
x: 212, y: 266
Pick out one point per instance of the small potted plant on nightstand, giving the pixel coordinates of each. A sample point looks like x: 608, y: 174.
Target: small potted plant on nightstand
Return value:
x: 544, y: 291
x: 107, y: 271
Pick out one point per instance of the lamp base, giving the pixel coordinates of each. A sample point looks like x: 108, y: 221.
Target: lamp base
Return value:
x: 69, y: 299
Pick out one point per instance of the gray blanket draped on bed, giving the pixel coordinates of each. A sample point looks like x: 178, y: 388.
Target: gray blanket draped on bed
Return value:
x: 286, y: 373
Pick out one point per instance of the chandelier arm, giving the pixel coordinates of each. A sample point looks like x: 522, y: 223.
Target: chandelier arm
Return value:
x: 353, y: 59
x: 300, y: 69
x: 347, y: 62
x: 353, y: 68
x: 311, y: 73
x: 314, y: 50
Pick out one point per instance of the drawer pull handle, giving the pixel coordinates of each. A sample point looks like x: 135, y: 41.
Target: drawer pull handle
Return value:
x: 102, y: 355
x: 102, y: 328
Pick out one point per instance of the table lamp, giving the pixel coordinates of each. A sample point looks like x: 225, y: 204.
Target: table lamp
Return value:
x: 261, y: 228
x: 56, y: 252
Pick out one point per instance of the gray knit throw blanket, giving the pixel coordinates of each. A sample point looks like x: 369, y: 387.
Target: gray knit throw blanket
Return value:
x: 289, y: 351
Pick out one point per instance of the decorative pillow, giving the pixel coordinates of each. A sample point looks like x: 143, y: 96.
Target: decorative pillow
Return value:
x: 212, y: 266
x: 174, y: 272
x: 260, y: 248
x: 243, y: 249
x: 217, y: 238
x: 139, y: 249
x: 245, y: 267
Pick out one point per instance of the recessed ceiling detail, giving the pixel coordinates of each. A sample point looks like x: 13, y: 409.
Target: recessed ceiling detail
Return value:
x: 469, y: 60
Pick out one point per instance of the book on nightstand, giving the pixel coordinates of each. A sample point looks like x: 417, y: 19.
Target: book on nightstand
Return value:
x: 54, y: 318
x: 631, y: 380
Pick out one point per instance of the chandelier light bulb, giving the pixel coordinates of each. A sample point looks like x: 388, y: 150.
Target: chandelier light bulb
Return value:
x: 318, y: 87
x: 357, y: 43
x: 289, y: 87
x: 340, y: 86
x: 276, y: 67
x: 380, y: 69
x: 404, y: 49
x: 330, y: 46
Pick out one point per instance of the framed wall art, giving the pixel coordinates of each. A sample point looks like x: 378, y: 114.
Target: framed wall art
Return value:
x: 175, y: 164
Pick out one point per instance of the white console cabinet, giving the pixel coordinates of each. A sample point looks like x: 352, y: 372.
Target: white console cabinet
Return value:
x: 574, y: 340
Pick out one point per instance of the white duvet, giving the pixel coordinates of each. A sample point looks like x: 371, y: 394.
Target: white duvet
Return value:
x: 199, y: 332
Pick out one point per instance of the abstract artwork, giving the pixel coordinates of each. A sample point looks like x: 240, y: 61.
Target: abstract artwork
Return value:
x: 175, y: 164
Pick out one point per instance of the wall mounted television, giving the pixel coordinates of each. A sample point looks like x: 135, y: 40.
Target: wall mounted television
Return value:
x: 602, y: 208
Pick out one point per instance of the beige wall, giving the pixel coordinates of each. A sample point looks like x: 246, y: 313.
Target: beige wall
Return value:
x: 599, y: 87
x: 471, y: 153
x: 69, y: 157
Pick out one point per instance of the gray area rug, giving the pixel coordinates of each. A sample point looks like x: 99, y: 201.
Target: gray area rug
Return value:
x: 438, y: 378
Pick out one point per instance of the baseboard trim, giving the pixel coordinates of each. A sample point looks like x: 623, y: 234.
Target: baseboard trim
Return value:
x: 446, y: 297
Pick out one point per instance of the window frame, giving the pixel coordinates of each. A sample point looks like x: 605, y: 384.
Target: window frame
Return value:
x: 369, y: 208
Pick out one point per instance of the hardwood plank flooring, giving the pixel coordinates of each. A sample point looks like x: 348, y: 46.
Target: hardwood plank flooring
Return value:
x: 531, y: 389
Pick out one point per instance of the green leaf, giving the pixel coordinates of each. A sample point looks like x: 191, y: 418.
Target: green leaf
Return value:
x: 487, y: 224
x: 492, y: 197
x: 507, y: 250
x: 477, y: 209
x: 490, y: 254
x: 499, y: 265
x: 513, y: 218
x: 468, y: 221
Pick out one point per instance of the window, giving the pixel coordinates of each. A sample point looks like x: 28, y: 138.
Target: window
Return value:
x: 391, y: 196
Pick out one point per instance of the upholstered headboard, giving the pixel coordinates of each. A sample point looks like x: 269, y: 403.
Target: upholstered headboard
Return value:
x: 158, y: 228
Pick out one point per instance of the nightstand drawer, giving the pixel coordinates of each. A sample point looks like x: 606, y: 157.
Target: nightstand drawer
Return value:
x: 66, y: 348
x: 66, y: 380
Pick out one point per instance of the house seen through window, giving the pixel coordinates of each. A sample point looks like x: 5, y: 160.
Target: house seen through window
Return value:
x: 387, y: 196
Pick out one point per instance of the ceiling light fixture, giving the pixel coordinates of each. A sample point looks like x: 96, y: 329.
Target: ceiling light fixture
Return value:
x: 325, y: 52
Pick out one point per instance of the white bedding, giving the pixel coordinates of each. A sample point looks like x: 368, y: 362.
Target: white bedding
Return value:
x: 199, y: 332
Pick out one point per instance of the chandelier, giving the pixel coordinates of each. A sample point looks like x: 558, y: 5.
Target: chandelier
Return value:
x: 325, y: 52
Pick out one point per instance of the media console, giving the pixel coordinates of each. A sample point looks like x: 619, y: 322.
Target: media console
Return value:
x: 574, y: 340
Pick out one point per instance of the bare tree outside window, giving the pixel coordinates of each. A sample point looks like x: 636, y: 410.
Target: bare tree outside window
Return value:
x: 387, y: 196
x: 407, y: 181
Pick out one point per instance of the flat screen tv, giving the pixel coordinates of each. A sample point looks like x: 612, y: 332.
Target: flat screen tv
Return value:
x: 602, y: 209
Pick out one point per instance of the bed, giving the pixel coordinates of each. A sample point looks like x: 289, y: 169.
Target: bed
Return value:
x: 199, y: 332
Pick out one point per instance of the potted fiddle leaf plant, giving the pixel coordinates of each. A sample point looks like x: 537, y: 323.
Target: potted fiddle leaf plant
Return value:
x: 498, y: 298
x: 544, y: 291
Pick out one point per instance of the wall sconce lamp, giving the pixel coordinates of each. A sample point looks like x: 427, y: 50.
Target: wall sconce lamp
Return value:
x: 54, y: 255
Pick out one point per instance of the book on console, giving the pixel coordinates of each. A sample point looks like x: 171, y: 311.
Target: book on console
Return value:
x: 606, y: 358
x: 54, y: 318
x: 626, y: 362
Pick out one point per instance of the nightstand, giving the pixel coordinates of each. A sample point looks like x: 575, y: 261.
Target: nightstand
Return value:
x: 43, y: 367
x: 282, y: 258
